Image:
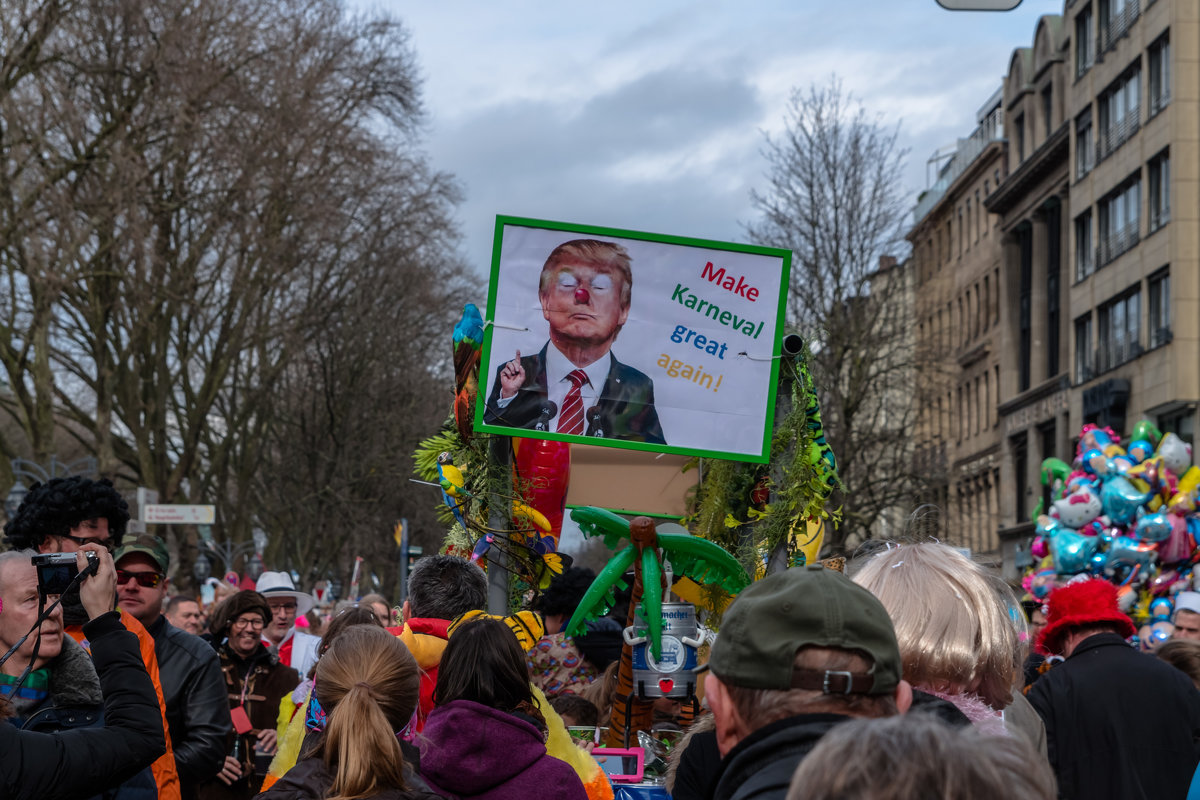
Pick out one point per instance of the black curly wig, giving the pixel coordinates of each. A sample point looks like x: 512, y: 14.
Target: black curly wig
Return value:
x: 55, y: 507
x: 564, y: 592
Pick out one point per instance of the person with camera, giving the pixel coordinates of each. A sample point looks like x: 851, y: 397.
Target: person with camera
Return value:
x: 61, y: 516
x: 51, y: 744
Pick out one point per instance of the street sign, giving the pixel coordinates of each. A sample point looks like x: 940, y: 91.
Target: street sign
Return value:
x: 179, y: 515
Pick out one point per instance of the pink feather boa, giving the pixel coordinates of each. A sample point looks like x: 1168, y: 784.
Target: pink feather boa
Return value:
x: 985, y: 718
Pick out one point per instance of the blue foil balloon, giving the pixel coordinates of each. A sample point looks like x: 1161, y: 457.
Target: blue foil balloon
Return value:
x: 1139, y: 450
x: 1121, y: 499
x: 1160, y: 610
x: 1152, y: 527
x: 1127, y: 552
x: 1047, y: 526
x: 1072, y: 552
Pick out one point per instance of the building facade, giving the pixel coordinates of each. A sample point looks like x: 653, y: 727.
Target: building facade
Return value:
x: 1057, y: 264
x: 1100, y: 215
x: 956, y: 257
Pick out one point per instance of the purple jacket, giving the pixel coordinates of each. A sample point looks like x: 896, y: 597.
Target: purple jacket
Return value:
x: 473, y: 751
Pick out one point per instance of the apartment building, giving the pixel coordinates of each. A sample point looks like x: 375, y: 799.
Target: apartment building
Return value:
x: 956, y: 265
x: 1099, y: 213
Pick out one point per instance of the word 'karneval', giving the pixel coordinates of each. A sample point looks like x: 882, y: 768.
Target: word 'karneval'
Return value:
x: 684, y: 335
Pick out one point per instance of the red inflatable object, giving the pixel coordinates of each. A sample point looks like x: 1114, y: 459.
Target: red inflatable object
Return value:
x: 544, y: 467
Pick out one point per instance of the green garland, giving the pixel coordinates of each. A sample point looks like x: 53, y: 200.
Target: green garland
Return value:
x: 723, y: 511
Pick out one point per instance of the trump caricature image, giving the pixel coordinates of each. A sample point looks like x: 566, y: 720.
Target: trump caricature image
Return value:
x: 575, y: 385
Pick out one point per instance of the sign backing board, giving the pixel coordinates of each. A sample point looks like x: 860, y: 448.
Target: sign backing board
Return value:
x: 683, y: 360
x: 179, y: 515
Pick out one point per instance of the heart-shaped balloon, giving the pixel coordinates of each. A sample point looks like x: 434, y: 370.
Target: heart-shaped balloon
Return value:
x: 1072, y: 552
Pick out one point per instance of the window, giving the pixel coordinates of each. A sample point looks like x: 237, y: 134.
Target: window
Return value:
x: 1158, y: 58
x: 1048, y: 109
x: 1085, y: 46
x: 1119, y: 220
x: 1085, y: 144
x: 1115, y: 18
x: 1025, y: 306
x: 1084, y: 263
x: 1048, y: 435
x: 1053, y: 267
x: 1181, y: 423
x: 1159, y: 170
x: 1120, y: 322
x: 1083, y: 349
x: 1119, y: 111
x: 1019, y: 132
x: 1159, y: 323
x: 1020, y: 451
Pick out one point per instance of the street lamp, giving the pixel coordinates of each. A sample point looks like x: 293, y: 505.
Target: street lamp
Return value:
x: 15, y: 495
x: 24, y: 468
x: 201, y: 568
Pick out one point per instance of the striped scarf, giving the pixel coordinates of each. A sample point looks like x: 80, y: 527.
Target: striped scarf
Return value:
x: 32, y: 693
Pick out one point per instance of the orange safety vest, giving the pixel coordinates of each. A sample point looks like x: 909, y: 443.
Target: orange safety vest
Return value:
x: 165, y: 774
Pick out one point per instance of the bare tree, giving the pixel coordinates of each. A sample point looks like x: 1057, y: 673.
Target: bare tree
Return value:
x: 834, y: 197
x: 213, y: 211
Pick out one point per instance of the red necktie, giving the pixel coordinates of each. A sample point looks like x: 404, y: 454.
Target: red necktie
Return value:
x: 570, y: 419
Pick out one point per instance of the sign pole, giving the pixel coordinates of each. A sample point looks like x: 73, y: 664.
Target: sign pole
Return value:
x: 498, y: 519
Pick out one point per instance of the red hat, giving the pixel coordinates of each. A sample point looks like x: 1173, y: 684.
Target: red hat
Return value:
x: 1078, y: 605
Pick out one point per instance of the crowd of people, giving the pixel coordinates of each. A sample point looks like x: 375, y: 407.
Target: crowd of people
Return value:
x: 918, y: 675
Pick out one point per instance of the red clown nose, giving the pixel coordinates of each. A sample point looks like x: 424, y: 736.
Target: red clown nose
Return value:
x: 581, y: 295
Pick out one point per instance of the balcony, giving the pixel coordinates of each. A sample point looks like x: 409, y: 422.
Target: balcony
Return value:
x: 1116, y: 135
x: 1161, y: 336
x: 1115, y: 353
x: 989, y: 130
x: 1117, y: 243
x: 1117, y: 26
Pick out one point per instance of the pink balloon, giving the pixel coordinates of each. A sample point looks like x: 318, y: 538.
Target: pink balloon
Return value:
x: 1179, y: 545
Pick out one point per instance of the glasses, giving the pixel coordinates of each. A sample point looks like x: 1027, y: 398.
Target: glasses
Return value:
x: 147, y: 579
x: 248, y: 622
x: 282, y: 606
x: 107, y: 544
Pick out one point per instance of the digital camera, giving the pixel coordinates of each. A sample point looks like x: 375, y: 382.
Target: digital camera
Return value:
x: 55, y: 571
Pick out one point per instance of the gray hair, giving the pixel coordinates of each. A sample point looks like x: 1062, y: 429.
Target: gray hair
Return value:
x: 918, y: 755
x: 14, y: 555
x: 446, y: 587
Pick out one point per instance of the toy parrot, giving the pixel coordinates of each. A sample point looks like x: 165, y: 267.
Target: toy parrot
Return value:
x: 468, y: 338
x: 451, y: 479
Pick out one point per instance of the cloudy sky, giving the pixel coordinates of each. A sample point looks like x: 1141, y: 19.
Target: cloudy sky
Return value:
x: 650, y: 115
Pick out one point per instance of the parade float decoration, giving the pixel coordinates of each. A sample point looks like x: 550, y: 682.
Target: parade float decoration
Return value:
x: 460, y: 463
x: 1128, y: 514
x: 700, y: 560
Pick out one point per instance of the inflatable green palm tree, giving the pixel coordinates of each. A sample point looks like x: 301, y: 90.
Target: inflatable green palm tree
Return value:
x: 698, y: 559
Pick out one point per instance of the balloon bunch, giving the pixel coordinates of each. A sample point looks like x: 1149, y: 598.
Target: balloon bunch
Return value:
x: 1128, y: 514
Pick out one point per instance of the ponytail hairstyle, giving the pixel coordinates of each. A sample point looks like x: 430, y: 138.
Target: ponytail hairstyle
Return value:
x: 368, y: 684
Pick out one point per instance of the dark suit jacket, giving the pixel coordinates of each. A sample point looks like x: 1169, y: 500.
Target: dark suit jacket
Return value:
x: 624, y: 410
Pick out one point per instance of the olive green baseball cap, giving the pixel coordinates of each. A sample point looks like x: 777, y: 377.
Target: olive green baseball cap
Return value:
x: 811, y: 605
x: 151, y: 546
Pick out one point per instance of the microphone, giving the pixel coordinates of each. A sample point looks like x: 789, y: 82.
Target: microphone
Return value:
x: 593, y: 420
x: 549, y: 410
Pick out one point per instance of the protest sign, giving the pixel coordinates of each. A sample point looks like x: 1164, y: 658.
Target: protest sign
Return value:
x: 632, y: 340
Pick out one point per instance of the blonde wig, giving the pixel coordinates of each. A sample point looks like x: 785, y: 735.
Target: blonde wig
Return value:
x: 958, y: 625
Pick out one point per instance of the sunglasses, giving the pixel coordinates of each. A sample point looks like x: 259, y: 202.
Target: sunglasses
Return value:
x: 148, y: 580
x: 107, y: 544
